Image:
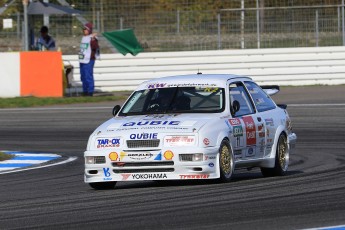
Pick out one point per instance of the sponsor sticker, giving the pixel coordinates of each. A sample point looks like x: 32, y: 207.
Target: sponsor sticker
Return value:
x: 269, y: 121
x: 198, y: 176
x: 143, y: 136
x: 210, y: 158
x: 108, y: 142
x: 125, y: 176
x: 250, y: 152
x: 250, y: 130
x: 140, y: 156
x: 262, y: 131
x: 211, y: 90
x: 148, y: 176
x: 179, y: 140
x: 206, y: 141
x: 168, y: 155
x: 151, y: 123
x: 238, y: 131
x: 156, y: 85
x: 235, y: 121
x: 107, y: 175
x: 113, y: 156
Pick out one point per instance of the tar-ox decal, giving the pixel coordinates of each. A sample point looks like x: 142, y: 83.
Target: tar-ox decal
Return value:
x: 108, y: 143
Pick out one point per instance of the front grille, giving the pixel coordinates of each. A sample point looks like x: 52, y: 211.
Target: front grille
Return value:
x: 99, y: 160
x: 148, y: 170
x: 142, y: 164
x: 142, y: 143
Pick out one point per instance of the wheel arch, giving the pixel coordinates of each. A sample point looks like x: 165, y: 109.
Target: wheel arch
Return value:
x: 279, y: 130
x: 269, y: 162
x: 223, y: 136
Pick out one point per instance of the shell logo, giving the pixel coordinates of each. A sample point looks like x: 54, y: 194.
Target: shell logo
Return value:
x: 113, y: 156
x: 168, y: 155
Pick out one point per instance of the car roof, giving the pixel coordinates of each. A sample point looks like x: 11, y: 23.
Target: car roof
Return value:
x: 202, y: 80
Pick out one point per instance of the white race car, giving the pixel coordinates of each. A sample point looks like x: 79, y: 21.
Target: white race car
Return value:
x: 191, y: 127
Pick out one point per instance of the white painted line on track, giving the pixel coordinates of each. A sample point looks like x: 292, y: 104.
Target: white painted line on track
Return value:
x: 314, y: 105
x: 70, y: 159
x: 338, y: 227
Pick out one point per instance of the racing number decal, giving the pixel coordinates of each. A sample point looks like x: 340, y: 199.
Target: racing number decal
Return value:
x: 250, y: 130
x: 237, y: 132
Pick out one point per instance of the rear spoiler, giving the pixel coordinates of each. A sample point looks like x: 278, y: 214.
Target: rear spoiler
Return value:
x: 270, y: 89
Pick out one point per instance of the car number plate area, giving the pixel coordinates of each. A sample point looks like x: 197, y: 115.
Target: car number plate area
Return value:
x: 138, y: 156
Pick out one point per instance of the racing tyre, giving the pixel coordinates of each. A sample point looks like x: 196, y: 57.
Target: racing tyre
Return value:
x: 103, y: 185
x: 281, y: 161
x: 226, y: 161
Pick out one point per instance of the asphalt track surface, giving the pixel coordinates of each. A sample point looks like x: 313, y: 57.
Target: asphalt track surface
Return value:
x: 311, y: 195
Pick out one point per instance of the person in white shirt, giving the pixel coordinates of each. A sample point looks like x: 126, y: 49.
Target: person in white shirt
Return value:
x: 89, y: 52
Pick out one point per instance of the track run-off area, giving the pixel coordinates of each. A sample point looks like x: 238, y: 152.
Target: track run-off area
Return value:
x: 311, y: 195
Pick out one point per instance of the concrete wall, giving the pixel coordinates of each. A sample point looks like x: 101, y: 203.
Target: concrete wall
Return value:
x: 10, y: 75
x: 36, y: 74
x: 287, y: 66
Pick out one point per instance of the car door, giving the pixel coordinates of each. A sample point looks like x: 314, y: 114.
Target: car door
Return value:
x: 247, y: 126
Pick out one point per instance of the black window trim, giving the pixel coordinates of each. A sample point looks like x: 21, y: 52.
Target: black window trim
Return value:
x: 248, y: 94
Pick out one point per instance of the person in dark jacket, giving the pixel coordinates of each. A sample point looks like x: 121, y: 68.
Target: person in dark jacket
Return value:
x: 45, y: 41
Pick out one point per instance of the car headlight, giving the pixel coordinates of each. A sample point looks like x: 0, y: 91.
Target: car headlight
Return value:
x: 171, y: 141
x: 94, y: 160
x: 191, y: 157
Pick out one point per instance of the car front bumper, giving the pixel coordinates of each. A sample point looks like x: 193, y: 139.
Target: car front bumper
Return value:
x: 155, y: 168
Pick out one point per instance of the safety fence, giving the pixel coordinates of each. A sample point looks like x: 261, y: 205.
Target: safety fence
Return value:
x: 252, y: 25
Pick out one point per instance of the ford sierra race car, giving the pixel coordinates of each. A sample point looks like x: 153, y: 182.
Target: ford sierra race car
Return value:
x: 200, y: 126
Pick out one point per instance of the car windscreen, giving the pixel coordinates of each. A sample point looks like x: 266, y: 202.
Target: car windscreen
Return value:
x: 175, y: 100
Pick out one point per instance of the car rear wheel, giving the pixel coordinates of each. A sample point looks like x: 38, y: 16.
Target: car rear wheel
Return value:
x: 226, y: 161
x: 281, y: 160
x: 103, y: 185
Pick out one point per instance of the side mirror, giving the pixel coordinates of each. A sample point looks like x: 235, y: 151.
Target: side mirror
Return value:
x: 235, y: 107
x: 116, y: 109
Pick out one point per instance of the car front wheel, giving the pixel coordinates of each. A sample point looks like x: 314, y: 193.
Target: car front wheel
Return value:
x: 226, y: 161
x: 281, y: 160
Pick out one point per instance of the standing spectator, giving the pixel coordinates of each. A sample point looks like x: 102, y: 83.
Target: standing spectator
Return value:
x: 89, y: 51
x: 45, y: 41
